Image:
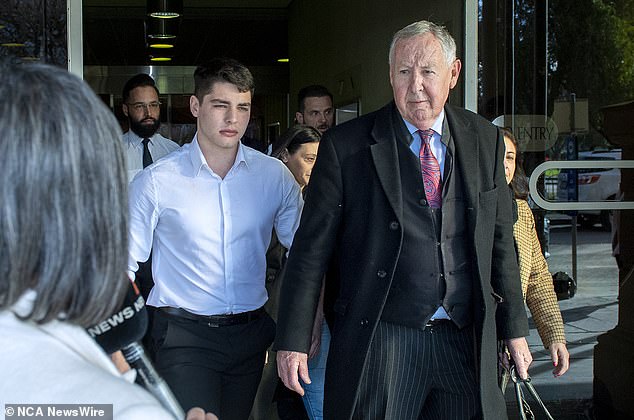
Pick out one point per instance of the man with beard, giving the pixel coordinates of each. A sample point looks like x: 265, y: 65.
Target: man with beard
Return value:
x: 315, y: 108
x: 142, y: 144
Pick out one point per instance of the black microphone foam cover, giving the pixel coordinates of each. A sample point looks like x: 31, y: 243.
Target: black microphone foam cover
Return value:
x: 127, y: 325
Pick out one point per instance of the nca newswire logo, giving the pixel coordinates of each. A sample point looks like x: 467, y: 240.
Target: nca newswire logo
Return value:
x: 59, y: 411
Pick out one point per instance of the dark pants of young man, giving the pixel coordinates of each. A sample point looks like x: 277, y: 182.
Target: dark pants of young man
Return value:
x: 145, y: 282
x: 213, y: 365
x: 426, y: 374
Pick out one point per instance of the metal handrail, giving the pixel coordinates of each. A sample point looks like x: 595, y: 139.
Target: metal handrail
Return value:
x: 578, y: 205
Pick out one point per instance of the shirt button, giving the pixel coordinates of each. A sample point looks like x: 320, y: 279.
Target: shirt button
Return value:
x: 381, y: 274
x: 394, y: 225
x: 423, y: 202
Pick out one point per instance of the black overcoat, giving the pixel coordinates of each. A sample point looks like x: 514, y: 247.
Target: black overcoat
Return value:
x: 353, y: 212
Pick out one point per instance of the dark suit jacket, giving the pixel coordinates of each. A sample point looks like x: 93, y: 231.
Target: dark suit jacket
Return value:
x: 354, y: 208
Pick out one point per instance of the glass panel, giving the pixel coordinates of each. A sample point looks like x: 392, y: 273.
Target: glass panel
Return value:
x: 560, y: 74
x: 180, y: 125
x: 34, y: 30
x: 550, y: 70
x: 348, y: 112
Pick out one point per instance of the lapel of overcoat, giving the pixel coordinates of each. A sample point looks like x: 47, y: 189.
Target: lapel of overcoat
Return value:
x: 386, y: 132
x: 385, y: 157
x: 465, y: 164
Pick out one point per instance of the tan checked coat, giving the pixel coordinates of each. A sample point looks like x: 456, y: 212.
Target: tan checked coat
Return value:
x: 537, y: 283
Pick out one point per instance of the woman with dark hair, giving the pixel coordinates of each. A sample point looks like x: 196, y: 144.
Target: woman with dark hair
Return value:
x: 297, y: 148
x: 537, y: 283
x: 63, y: 243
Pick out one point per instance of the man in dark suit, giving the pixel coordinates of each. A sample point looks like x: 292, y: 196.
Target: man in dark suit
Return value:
x: 411, y: 205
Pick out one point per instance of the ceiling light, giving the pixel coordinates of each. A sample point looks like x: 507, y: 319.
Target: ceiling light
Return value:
x: 283, y: 60
x: 155, y: 59
x: 161, y: 28
x: 161, y: 46
x: 165, y: 9
x: 12, y: 44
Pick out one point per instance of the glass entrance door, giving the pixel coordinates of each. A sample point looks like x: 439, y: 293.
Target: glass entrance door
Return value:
x: 560, y: 75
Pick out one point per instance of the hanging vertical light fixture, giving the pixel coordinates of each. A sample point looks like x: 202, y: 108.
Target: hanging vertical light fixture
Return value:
x: 165, y: 9
x: 161, y: 28
x: 161, y: 37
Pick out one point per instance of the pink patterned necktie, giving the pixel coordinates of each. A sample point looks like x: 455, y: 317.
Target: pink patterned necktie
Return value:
x: 430, y: 169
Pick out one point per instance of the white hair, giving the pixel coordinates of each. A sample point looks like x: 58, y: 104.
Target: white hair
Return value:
x: 447, y: 43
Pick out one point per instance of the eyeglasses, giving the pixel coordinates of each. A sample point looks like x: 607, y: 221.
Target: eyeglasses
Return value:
x: 141, y: 106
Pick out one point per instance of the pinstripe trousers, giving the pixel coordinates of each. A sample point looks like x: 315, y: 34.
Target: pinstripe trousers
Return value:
x: 424, y: 374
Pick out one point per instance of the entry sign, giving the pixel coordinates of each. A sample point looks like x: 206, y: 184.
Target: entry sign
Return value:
x: 534, y: 133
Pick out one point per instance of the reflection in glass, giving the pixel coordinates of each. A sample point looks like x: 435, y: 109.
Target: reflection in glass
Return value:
x: 34, y: 30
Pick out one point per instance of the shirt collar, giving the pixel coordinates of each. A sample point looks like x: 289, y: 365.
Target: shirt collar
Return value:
x: 241, y: 156
x: 198, y: 159
x: 437, y: 126
x: 136, y: 140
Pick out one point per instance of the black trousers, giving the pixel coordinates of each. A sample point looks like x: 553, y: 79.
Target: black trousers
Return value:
x: 145, y: 282
x: 420, y: 374
x: 216, y: 368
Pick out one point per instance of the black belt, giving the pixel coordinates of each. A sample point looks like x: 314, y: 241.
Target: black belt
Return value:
x: 214, y: 320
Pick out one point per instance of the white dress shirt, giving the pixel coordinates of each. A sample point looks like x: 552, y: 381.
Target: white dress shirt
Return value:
x: 209, y: 235
x: 133, y: 150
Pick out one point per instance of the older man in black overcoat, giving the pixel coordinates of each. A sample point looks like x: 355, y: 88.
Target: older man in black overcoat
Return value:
x: 411, y: 205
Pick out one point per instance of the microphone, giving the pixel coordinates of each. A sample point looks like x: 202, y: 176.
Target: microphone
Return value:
x: 150, y: 379
x: 125, y: 326
x: 122, y: 331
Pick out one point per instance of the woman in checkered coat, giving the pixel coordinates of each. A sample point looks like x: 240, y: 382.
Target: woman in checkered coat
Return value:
x: 537, y: 283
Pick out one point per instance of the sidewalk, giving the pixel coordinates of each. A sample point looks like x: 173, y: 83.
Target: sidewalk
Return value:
x: 591, y: 312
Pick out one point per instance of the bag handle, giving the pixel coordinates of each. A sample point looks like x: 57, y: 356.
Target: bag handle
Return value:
x: 524, y: 408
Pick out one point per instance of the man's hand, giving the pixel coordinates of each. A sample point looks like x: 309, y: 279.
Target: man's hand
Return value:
x: 560, y: 357
x: 518, y: 349
x: 198, y: 413
x: 289, y: 363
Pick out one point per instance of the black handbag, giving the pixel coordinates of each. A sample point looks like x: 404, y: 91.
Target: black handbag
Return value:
x: 565, y: 286
x: 524, y: 408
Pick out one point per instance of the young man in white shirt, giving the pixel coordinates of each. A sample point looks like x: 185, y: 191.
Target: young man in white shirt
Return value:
x: 208, y: 211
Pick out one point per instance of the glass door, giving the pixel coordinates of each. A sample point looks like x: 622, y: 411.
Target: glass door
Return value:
x: 560, y: 75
